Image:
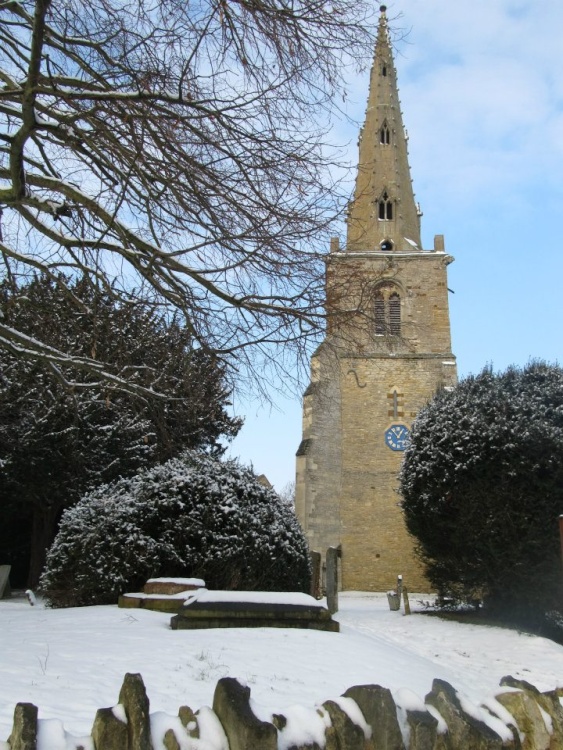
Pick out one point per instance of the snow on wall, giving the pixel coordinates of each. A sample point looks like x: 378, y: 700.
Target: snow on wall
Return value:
x: 344, y: 723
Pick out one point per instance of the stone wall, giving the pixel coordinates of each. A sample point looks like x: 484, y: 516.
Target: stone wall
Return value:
x: 367, y: 717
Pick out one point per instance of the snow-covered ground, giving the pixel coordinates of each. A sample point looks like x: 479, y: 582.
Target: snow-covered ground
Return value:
x: 72, y: 662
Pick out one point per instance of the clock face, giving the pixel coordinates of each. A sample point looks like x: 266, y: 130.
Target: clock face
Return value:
x: 397, y: 437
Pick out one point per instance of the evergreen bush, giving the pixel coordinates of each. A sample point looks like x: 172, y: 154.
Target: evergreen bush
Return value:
x: 191, y: 516
x: 482, y: 487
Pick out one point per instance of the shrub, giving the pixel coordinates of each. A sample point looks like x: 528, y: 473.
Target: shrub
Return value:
x: 192, y: 516
x: 482, y: 486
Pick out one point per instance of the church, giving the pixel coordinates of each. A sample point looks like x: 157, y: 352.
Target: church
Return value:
x: 386, y: 351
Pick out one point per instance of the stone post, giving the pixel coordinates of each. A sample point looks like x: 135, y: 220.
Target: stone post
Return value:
x: 133, y: 697
x: 24, y: 732
x: 231, y: 703
x: 332, y: 555
x: 316, y: 568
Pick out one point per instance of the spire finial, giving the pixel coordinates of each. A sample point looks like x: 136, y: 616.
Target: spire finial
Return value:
x: 383, y: 8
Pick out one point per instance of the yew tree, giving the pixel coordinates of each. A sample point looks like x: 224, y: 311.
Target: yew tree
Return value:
x: 482, y: 487
x: 62, y: 432
x: 176, y: 148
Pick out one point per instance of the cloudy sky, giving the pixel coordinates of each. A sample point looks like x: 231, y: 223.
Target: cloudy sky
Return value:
x: 481, y: 86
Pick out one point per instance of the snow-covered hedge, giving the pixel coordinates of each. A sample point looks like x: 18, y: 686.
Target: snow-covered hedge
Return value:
x: 193, y: 515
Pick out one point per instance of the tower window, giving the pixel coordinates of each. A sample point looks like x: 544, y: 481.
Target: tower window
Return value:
x: 394, y: 304
x: 387, y: 310
x: 385, y: 208
x: 385, y: 134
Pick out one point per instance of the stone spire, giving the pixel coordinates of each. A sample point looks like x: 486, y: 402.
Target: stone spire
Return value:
x: 383, y: 215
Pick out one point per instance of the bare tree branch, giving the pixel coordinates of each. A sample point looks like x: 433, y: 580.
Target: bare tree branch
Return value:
x: 178, y: 149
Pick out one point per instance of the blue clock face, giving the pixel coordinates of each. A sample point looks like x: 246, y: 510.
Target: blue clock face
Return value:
x: 397, y: 437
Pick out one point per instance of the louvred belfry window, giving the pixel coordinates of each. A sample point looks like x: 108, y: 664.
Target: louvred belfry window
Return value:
x: 387, y: 310
x: 379, y: 313
x: 394, y: 304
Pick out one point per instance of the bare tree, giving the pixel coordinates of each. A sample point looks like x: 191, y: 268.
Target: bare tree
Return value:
x: 287, y: 493
x: 178, y: 148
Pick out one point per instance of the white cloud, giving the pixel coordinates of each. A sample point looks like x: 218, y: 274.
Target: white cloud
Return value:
x: 482, y: 94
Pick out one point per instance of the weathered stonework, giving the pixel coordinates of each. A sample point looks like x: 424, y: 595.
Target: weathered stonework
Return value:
x: 244, y: 730
x: 386, y: 352
x: 133, y: 698
x: 24, y: 733
x: 368, y: 720
x: 109, y: 732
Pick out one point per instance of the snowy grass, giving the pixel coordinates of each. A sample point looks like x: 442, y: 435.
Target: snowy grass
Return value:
x: 71, y: 662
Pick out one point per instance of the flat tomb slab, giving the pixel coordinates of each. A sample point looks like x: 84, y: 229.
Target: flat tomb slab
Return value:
x: 157, y: 602
x: 172, y: 585
x: 162, y: 594
x: 252, y: 609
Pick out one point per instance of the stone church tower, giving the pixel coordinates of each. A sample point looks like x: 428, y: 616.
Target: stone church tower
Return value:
x: 387, y: 350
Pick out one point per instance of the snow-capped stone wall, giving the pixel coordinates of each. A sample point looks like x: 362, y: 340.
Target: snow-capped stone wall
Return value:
x: 367, y: 717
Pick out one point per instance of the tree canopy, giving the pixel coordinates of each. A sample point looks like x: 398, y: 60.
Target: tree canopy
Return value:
x: 178, y: 148
x: 482, y: 486
x: 58, y: 440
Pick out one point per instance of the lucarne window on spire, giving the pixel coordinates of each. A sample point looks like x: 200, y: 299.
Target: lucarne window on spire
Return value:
x: 385, y: 208
x: 385, y: 134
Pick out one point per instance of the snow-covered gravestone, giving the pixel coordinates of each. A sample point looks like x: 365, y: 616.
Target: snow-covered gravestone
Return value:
x: 5, y: 590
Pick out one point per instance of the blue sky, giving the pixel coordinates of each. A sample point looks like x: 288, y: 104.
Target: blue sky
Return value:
x: 481, y: 87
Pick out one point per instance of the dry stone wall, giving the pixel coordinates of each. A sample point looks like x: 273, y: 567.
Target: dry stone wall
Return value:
x: 367, y: 717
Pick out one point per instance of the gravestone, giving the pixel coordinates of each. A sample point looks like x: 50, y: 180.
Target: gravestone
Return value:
x: 5, y: 590
x: 332, y: 555
x: 316, y: 569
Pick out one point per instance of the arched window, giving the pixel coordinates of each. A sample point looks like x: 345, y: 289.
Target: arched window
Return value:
x: 387, y: 310
x: 385, y: 134
x: 385, y: 208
